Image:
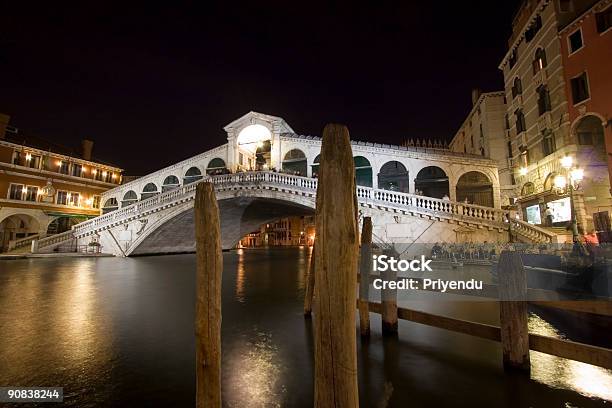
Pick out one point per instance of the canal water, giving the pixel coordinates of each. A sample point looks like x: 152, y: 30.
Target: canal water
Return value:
x: 119, y: 332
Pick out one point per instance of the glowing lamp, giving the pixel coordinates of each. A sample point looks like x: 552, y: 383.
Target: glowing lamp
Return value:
x: 114, y: 176
x: 523, y: 171
x: 566, y: 162
x: 104, y: 174
x: 577, y: 174
x: 94, y: 171
x: 59, y: 162
x: 28, y: 157
x: 560, y: 182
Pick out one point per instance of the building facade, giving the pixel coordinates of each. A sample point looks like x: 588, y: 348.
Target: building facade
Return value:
x: 44, y: 188
x: 539, y: 127
x: 290, y: 231
x: 483, y: 133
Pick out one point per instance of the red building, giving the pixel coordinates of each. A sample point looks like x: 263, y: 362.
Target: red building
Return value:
x: 586, y: 49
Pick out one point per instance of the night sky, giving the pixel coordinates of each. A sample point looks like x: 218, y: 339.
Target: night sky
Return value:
x: 152, y: 85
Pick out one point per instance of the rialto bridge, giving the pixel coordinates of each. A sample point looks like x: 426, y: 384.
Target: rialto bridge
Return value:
x: 266, y: 171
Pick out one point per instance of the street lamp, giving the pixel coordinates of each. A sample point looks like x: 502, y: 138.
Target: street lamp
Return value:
x: 569, y: 182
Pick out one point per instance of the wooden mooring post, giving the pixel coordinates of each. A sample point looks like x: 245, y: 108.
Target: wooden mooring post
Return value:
x: 365, y: 269
x: 335, y: 267
x: 389, y: 301
x: 513, y: 311
x: 310, y: 283
x: 208, y: 297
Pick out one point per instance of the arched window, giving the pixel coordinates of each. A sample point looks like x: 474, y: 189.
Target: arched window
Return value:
x: 216, y: 166
x: 393, y: 176
x: 476, y: 188
x: 149, y: 190
x: 528, y: 188
x: 363, y: 171
x: 432, y: 181
x: 110, y: 205
x: 543, y: 99
x: 193, y: 174
x: 539, y: 62
x: 295, y: 163
x: 315, y: 166
x: 590, y: 131
x: 517, y: 87
x: 170, y: 182
x: 129, y: 198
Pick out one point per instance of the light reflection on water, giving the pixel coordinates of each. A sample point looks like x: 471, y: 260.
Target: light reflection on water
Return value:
x: 119, y: 332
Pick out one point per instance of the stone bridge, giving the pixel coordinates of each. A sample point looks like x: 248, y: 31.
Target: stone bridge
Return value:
x: 266, y: 171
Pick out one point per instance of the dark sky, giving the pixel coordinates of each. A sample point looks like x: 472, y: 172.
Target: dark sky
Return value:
x: 152, y: 85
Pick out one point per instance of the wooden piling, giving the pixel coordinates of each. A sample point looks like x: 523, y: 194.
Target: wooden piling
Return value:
x: 208, y: 297
x: 335, y: 267
x: 310, y: 283
x: 365, y: 269
x: 513, y: 311
x: 389, y: 301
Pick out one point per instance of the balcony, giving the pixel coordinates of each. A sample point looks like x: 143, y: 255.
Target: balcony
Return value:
x: 517, y: 102
x: 540, y: 78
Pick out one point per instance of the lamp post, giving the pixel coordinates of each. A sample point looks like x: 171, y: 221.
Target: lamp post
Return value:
x: 569, y: 182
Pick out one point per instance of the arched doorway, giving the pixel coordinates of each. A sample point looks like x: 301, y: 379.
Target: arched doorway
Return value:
x: 589, y: 131
x: 110, y: 205
x: 394, y: 176
x: 432, y: 181
x: 216, y: 166
x: 363, y: 171
x: 549, y: 182
x: 476, y: 187
x: 17, y: 226
x: 315, y: 166
x: 129, y: 198
x: 192, y: 175
x: 149, y: 190
x: 171, y: 182
x: 295, y: 163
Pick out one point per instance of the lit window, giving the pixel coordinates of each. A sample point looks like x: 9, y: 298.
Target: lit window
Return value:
x: 575, y: 41
x: 539, y: 62
x: 77, y: 170
x: 73, y: 199
x: 63, y: 166
x: 96, y: 202
x: 31, y: 193
x: 62, y: 197
x: 16, y: 191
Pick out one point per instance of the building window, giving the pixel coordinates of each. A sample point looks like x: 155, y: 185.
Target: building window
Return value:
x: 513, y: 59
x: 539, y: 63
x: 548, y: 142
x: 517, y: 87
x: 77, y: 170
x: 580, y: 88
x: 107, y: 175
x: 16, y: 158
x: 62, y: 197
x: 96, y: 202
x: 16, y: 191
x: 507, y: 121
x: 565, y: 6
x: 97, y: 174
x: 31, y: 193
x: 543, y: 99
x: 509, y: 149
x: 32, y: 161
x: 604, y: 20
x: 73, y: 199
x: 520, y: 121
x: 63, y: 167
x: 575, y: 41
x: 533, y: 29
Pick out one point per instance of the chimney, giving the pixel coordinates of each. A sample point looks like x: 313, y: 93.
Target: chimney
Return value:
x: 4, y: 121
x: 475, y: 95
x: 87, y: 148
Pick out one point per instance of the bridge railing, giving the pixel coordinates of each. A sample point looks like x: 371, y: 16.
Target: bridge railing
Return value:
x: 368, y: 195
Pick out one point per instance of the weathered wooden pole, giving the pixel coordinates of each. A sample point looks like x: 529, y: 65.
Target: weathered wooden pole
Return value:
x: 208, y: 297
x: 335, y: 267
x: 389, y: 302
x: 365, y: 269
x: 310, y: 283
x: 513, y: 312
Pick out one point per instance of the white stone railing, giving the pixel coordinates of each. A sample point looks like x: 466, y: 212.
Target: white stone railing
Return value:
x: 23, y: 242
x: 54, y: 239
x: 368, y: 196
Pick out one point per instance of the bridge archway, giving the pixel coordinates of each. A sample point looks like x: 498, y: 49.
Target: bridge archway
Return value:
x: 149, y: 190
x: 394, y: 176
x: 433, y: 182
x: 476, y: 187
x: 192, y: 175
x: 315, y: 166
x: 363, y: 171
x: 129, y: 198
x: 171, y: 182
x: 110, y: 204
x: 295, y: 162
x: 216, y: 166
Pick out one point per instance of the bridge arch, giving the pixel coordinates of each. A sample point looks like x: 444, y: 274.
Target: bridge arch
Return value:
x: 432, y: 181
x: 315, y: 166
x: 111, y: 204
x: 393, y: 175
x: 129, y: 198
x: 149, y: 190
x: 192, y: 174
x: 16, y: 226
x: 295, y: 162
x: 170, y: 182
x: 476, y: 187
x: 363, y: 171
x: 216, y: 166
